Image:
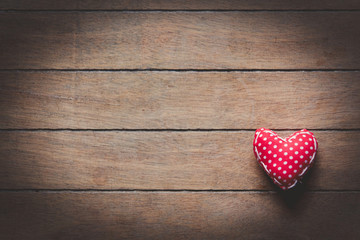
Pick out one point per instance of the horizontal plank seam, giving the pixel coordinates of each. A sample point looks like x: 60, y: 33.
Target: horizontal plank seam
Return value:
x: 176, y: 10
x: 176, y: 190
x: 175, y: 70
x: 163, y: 130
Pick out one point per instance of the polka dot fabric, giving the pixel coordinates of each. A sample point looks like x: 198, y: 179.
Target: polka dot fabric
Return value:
x: 285, y: 160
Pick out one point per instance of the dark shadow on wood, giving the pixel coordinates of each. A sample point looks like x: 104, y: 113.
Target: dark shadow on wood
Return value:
x: 292, y: 196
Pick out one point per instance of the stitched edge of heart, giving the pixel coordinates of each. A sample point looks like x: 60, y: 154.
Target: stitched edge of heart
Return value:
x: 295, y: 134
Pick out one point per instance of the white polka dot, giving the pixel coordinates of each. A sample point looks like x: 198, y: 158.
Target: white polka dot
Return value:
x: 279, y: 177
x: 296, y: 144
x: 260, y: 153
x: 280, y: 150
x: 264, y: 148
x: 276, y: 138
x: 271, y: 135
x: 285, y: 153
x: 264, y: 157
x: 311, y: 148
x: 296, y: 152
x: 269, y: 170
x: 274, y: 165
x: 280, y: 159
x: 275, y: 155
x: 259, y: 144
x: 261, y: 135
x: 285, y: 145
x: 295, y: 171
x: 310, y: 139
x: 280, y: 141
x: 279, y: 168
x: 275, y: 146
x: 269, y: 151
x: 306, y: 143
x: 291, y: 157
x: 306, y: 161
x: 269, y: 161
x: 307, y: 152
x: 290, y: 141
x: 270, y: 143
x: 265, y: 139
x: 296, y: 162
x: 290, y: 176
x: 300, y: 165
x: 301, y: 147
x: 303, y: 135
x: 284, y: 172
x: 300, y: 139
x: 291, y: 148
x: 274, y: 174
x: 290, y: 166
x: 285, y: 162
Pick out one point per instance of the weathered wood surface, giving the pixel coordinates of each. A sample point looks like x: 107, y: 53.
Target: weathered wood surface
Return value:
x: 178, y: 5
x: 178, y: 216
x: 169, y: 100
x: 162, y: 160
x: 180, y: 40
x: 85, y: 178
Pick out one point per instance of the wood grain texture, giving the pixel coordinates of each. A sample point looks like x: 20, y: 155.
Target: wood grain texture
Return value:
x: 178, y: 5
x: 180, y: 40
x: 162, y: 160
x: 183, y: 100
x: 178, y: 216
x: 108, y: 183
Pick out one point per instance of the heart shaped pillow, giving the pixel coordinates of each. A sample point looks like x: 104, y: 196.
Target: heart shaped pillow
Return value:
x: 285, y: 160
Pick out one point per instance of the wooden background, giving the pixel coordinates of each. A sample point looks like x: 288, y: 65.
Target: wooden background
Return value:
x: 134, y: 119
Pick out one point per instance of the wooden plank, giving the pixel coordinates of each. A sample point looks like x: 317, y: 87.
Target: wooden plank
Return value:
x: 178, y: 5
x: 162, y: 160
x: 181, y: 100
x: 178, y: 216
x: 180, y: 40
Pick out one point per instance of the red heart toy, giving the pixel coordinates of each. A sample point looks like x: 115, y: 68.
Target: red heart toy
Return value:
x: 285, y: 160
